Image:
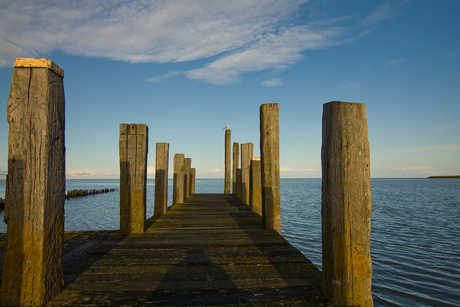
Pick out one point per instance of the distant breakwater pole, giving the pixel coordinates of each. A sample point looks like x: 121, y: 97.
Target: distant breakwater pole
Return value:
x: 346, y: 195
x: 82, y: 193
x: 35, y: 184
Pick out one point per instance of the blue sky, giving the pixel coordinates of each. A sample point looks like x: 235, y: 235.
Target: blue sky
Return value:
x: 189, y: 68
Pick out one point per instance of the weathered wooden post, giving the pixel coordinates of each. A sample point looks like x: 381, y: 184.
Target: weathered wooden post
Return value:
x: 228, y: 162
x: 35, y: 184
x: 247, y: 150
x: 346, y: 205
x: 161, y: 178
x: 236, y: 165
x: 192, y: 180
x: 256, y: 186
x: 238, y: 183
x: 270, y: 155
x: 187, y: 167
x: 178, y: 179
x: 133, y: 177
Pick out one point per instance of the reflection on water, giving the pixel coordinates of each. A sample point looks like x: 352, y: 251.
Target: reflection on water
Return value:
x: 415, y: 239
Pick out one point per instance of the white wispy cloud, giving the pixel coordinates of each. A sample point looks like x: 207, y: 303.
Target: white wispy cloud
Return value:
x: 350, y: 84
x: 395, y: 62
x: 272, y: 82
x: 216, y: 170
x: 91, y: 173
x: 163, y: 77
x: 444, y: 147
x: 236, y: 36
x: 290, y: 169
x: 418, y: 169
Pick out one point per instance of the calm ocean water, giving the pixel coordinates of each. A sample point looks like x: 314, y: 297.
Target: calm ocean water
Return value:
x: 415, y: 239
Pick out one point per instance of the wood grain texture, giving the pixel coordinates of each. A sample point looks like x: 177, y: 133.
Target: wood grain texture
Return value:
x: 133, y: 177
x: 161, y: 178
x: 228, y: 161
x: 209, y: 250
x: 235, y: 166
x: 270, y: 157
x: 346, y: 205
x: 35, y: 187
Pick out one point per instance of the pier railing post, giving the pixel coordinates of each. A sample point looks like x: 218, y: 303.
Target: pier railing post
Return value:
x: 346, y: 205
x: 238, y: 183
x: 161, y: 178
x: 35, y: 185
x: 236, y: 162
x: 270, y: 156
x: 192, y: 180
x: 228, y: 162
x: 133, y: 177
x: 247, y: 150
x: 178, y: 179
x: 187, y: 165
x: 256, y: 186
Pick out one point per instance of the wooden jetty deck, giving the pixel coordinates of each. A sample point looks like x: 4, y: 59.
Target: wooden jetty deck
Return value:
x: 211, y: 250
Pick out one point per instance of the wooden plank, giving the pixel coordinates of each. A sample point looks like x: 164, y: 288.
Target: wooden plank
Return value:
x: 230, y: 260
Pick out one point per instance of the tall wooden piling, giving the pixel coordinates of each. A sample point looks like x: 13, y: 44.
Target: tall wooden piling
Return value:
x: 133, y: 177
x: 247, y: 150
x: 256, y: 186
x: 228, y: 162
x: 178, y: 179
x: 187, y: 167
x: 346, y: 205
x: 236, y: 165
x: 35, y: 185
x: 192, y: 180
x: 161, y: 178
x: 238, y: 183
x: 270, y: 155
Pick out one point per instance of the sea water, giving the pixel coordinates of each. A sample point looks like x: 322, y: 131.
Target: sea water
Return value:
x: 415, y: 237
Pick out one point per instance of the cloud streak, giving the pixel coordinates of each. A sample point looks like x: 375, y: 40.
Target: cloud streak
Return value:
x: 91, y: 173
x: 236, y: 37
x: 272, y: 82
x: 444, y: 147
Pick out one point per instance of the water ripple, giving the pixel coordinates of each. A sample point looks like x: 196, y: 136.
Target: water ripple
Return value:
x: 415, y: 238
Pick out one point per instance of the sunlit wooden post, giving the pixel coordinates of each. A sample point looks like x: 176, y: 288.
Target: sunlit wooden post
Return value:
x: 192, y: 180
x: 187, y: 165
x: 178, y: 179
x: 133, y: 177
x: 346, y: 205
x: 247, y: 150
x: 256, y: 186
x: 228, y: 162
x: 238, y: 183
x: 270, y: 155
x: 236, y: 162
x: 161, y: 178
x: 35, y: 185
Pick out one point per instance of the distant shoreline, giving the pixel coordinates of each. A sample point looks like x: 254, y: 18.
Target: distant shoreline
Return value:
x: 444, y: 177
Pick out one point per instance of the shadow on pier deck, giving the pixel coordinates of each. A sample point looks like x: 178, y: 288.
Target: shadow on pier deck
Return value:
x: 210, y: 250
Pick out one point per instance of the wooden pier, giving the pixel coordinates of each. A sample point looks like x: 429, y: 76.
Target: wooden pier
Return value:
x: 205, y: 250
x: 210, y: 250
